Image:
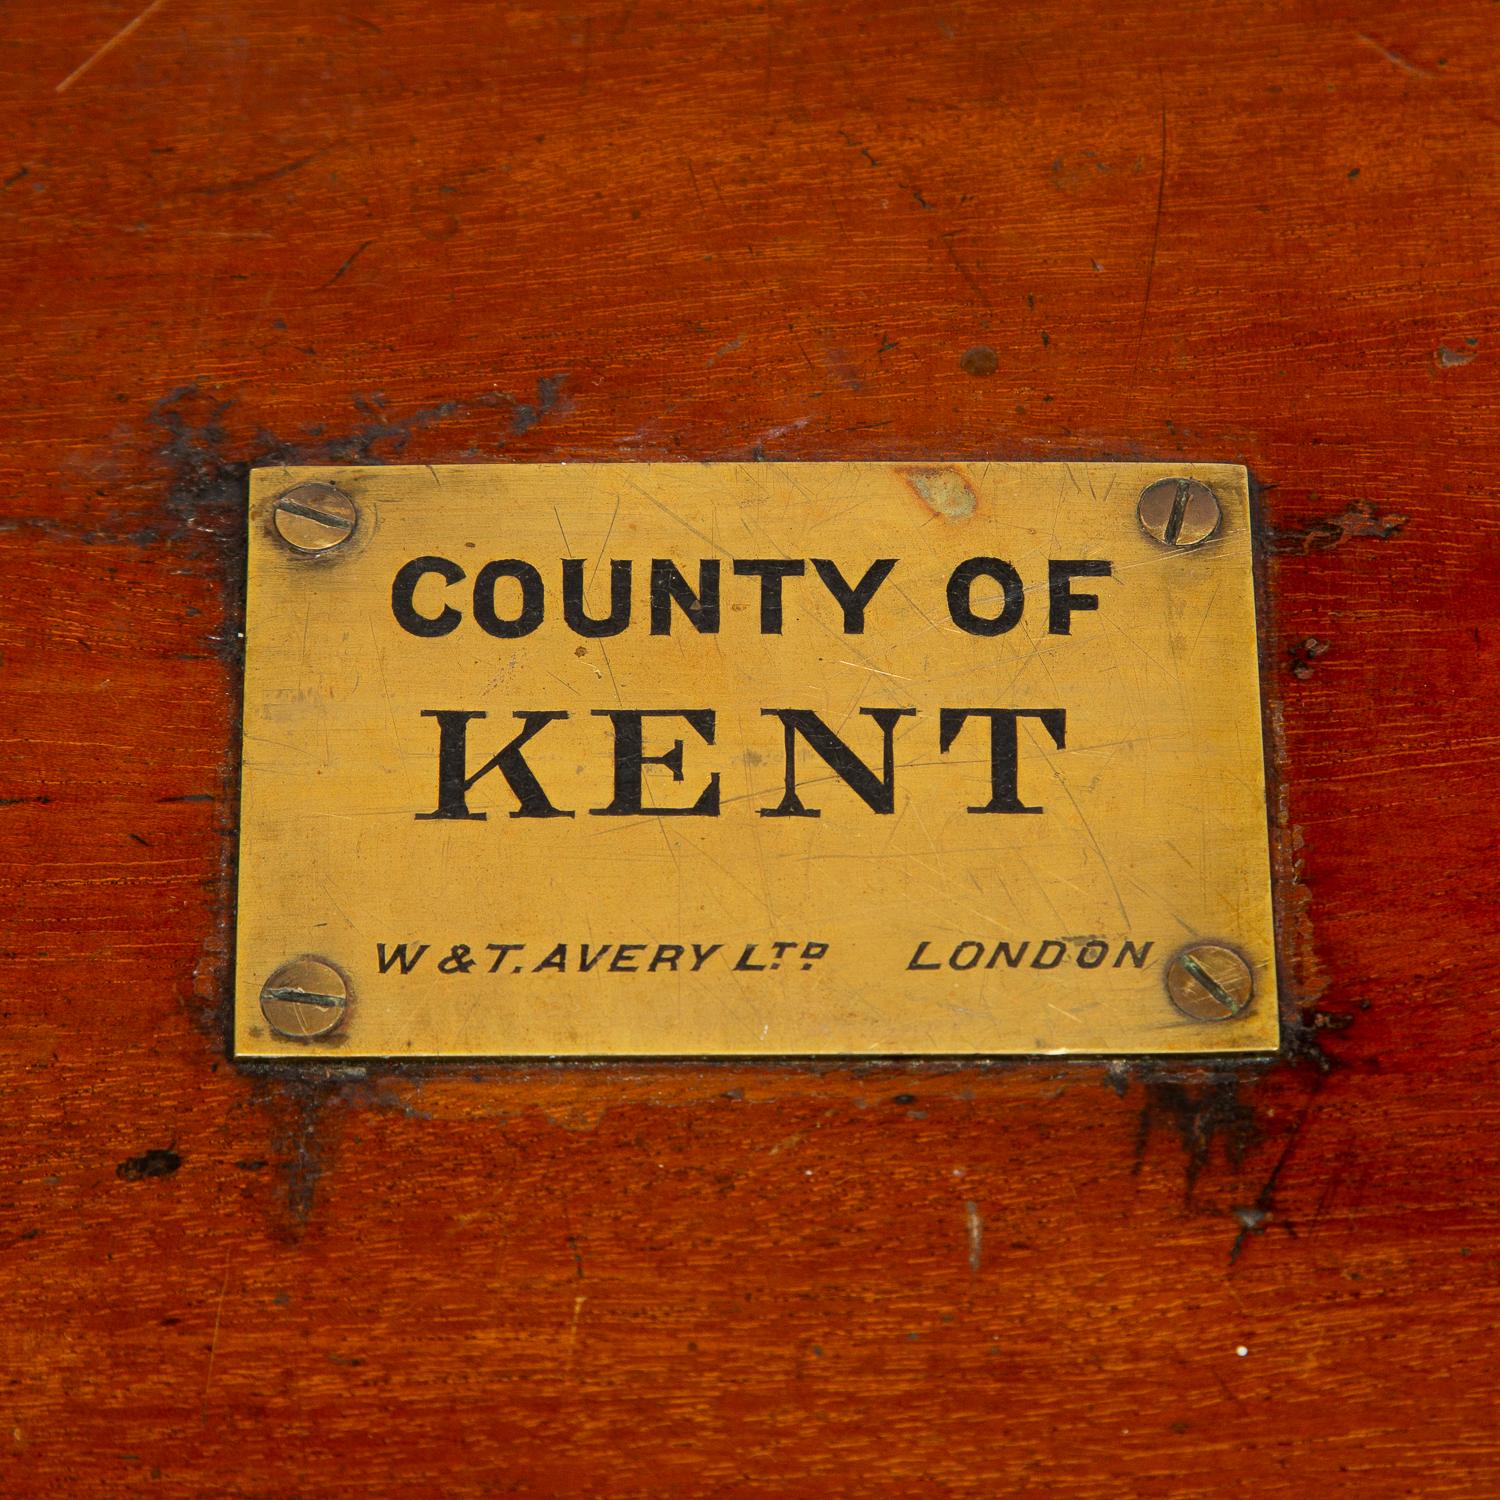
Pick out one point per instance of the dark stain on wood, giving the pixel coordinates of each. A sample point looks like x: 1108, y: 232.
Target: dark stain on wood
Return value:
x: 160, y: 1161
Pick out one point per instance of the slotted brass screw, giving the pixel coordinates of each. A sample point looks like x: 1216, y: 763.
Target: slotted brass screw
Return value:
x: 1179, y: 512
x: 1210, y: 983
x: 314, y: 517
x: 305, y: 998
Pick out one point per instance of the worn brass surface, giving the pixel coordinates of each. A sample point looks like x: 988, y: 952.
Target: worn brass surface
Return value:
x: 574, y: 935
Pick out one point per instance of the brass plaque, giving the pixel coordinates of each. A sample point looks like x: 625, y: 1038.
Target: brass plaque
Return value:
x: 861, y: 759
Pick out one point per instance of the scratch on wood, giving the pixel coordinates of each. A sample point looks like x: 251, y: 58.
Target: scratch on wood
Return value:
x: 121, y: 35
x: 349, y: 260
x: 966, y: 273
x: 571, y: 1342
x: 1395, y: 58
x: 239, y: 184
x: 213, y: 1345
x: 975, y: 1225
x: 1161, y: 198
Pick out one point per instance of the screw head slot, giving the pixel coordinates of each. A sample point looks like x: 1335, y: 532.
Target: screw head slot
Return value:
x: 1179, y: 512
x: 305, y: 998
x: 1210, y: 983
x: 314, y: 517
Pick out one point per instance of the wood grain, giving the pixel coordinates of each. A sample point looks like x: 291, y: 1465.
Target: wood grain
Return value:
x: 1253, y: 233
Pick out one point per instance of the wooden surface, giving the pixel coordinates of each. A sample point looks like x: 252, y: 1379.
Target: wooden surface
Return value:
x: 1251, y: 233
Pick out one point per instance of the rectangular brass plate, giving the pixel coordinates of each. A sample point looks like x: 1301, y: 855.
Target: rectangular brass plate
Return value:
x: 836, y: 905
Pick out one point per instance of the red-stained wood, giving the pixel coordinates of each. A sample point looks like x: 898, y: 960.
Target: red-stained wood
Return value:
x: 1265, y: 233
